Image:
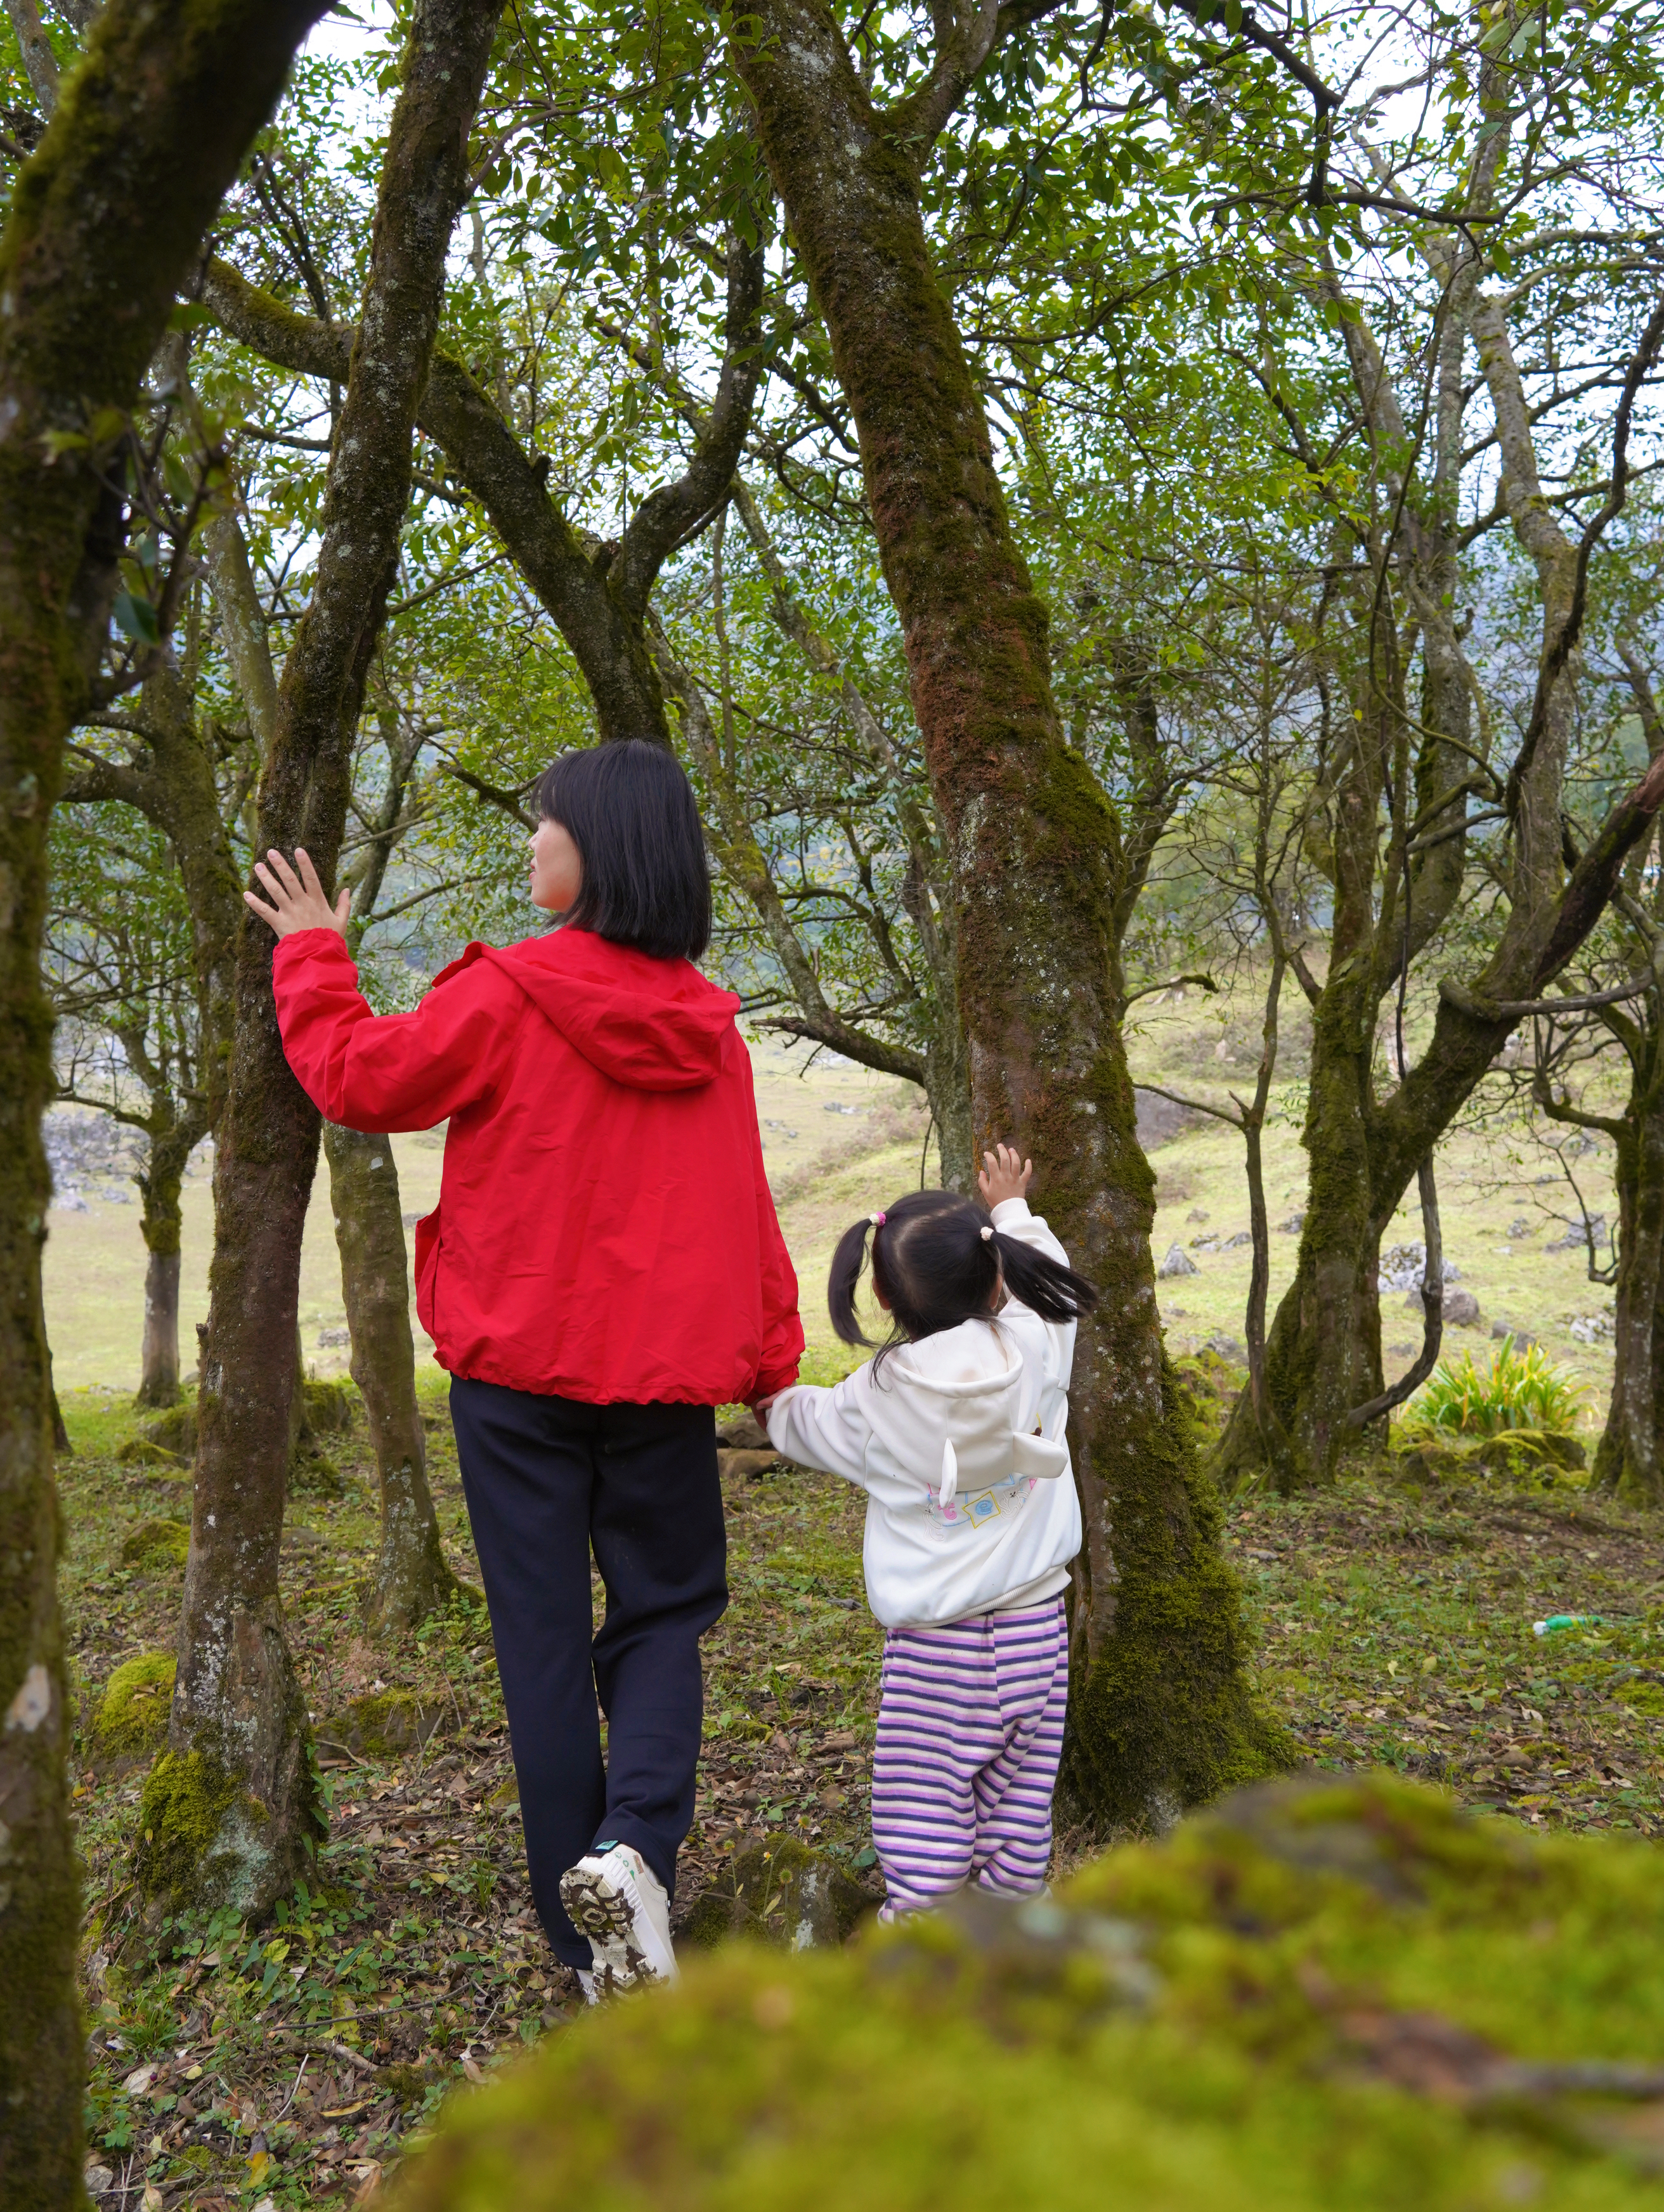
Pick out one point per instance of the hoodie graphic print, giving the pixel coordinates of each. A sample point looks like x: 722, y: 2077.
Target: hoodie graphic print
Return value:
x: 604, y: 1230
x: 958, y: 1441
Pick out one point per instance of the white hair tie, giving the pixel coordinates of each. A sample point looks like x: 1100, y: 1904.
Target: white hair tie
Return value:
x: 987, y: 1233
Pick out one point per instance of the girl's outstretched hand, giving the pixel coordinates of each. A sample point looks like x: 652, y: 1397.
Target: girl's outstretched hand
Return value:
x: 297, y: 901
x: 1004, y: 1175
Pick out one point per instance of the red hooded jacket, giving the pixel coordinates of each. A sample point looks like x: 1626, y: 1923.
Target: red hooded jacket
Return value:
x: 604, y: 1230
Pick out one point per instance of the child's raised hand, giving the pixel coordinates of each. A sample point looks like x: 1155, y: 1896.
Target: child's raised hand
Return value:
x: 1004, y: 1175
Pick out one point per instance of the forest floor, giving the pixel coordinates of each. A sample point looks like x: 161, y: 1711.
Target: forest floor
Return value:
x: 1390, y: 1620
x: 1391, y: 1623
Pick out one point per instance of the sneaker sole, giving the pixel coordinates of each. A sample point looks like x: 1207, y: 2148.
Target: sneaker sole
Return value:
x: 603, y: 1914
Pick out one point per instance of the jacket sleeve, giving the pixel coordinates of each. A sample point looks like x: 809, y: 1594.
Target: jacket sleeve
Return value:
x: 385, y: 1071
x: 824, y: 1429
x: 782, y: 1324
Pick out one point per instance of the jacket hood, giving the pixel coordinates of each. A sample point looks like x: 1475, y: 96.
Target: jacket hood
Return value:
x: 953, y: 1403
x: 652, y: 1024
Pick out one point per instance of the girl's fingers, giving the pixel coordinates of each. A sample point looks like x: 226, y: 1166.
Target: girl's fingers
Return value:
x: 308, y: 874
x: 343, y: 909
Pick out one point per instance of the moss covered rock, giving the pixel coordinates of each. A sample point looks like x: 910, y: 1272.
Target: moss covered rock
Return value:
x: 144, y: 1451
x: 157, y: 1544
x: 1335, y: 1993
x: 331, y: 1407
x: 784, y: 1894
x: 175, y: 1430
x: 1519, y: 1459
x: 380, y: 1727
x: 130, y: 1725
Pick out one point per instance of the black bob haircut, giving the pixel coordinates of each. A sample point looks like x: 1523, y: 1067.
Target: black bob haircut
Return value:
x: 631, y: 812
x: 937, y: 1258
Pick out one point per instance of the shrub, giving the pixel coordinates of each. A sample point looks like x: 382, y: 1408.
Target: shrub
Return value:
x: 1520, y: 1391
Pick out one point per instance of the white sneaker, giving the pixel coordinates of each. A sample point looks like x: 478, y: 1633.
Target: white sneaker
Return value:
x: 614, y: 1899
x: 587, y: 1985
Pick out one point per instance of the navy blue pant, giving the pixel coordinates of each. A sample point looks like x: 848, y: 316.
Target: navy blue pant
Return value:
x: 545, y: 1478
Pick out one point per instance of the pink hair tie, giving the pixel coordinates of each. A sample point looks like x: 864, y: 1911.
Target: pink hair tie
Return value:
x: 987, y: 1234
x: 877, y: 1219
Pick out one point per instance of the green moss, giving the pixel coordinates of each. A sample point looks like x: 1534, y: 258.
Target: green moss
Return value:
x: 331, y: 1407
x: 313, y: 1473
x: 1307, y: 2001
x: 381, y: 1727
x: 131, y: 1723
x: 199, y: 1833
x: 783, y: 1893
x: 174, y: 1431
x: 145, y: 1451
x: 157, y: 1544
x: 1518, y: 1459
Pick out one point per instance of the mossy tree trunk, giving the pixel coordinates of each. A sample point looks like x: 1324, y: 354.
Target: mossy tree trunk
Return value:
x: 104, y: 220
x: 411, y: 1577
x: 159, y: 1187
x: 228, y: 1809
x: 1161, y: 1718
x: 1628, y: 1461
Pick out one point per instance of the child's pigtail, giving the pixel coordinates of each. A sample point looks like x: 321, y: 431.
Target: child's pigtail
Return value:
x: 1044, y: 1286
x: 848, y: 1261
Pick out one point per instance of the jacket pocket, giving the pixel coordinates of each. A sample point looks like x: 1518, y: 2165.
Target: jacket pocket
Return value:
x: 427, y: 1270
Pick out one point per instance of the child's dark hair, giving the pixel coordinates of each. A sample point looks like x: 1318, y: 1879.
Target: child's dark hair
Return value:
x: 937, y: 1257
x: 631, y: 812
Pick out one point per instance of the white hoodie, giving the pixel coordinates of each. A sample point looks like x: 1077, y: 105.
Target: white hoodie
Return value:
x: 958, y: 1443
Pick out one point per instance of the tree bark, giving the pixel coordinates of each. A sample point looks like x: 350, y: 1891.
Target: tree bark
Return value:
x: 1160, y: 1715
x: 1628, y: 1461
x: 229, y: 1809
x: 411, y: 1577
x: 159, y: 1187
x: 103, y: 222
x: 159, y: 1357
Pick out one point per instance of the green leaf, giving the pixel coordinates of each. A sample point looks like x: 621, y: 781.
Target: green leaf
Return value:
x: 136, y: 619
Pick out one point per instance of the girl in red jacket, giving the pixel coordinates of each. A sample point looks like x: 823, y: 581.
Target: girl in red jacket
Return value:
x: 602, y: 1268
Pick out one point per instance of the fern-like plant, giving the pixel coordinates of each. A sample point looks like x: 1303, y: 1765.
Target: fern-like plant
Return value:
x: 1521, y: 1391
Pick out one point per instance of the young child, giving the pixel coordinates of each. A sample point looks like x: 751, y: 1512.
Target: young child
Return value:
x: 955, y: 1431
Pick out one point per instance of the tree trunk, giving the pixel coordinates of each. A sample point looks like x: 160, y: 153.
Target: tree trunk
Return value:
x: 159, y: 1187
x: 1323, y: 1354
x: 411, y: 1577
x: 1160, y: 1715
x: 104, y: 220
x: 158, y: 1359
x: 229, y: 1809
x: 1628, y: 1461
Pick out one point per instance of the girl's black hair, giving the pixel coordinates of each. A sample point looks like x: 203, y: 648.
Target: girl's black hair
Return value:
x: 631, y: 812
x: 937, y: 1268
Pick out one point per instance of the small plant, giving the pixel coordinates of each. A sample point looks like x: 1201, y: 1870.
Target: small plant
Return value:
x: 1521, y: 1391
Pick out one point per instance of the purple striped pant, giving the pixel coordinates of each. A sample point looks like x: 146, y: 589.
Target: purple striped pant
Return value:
x: 970, y: 1731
